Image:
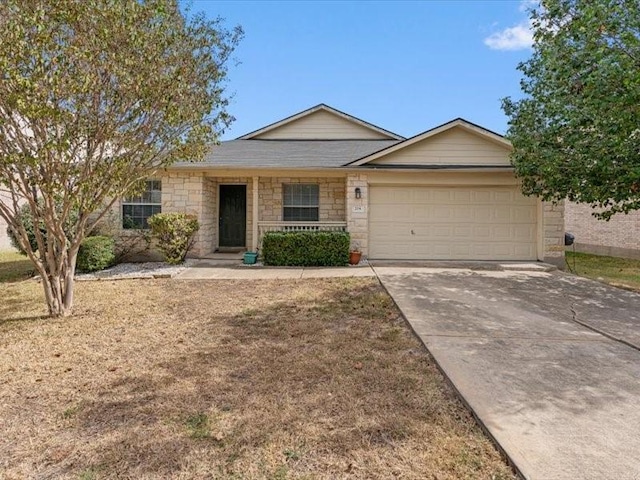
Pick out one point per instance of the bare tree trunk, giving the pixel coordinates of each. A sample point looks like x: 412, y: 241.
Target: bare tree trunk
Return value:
x: 72, y: 256
x: 59, y: 264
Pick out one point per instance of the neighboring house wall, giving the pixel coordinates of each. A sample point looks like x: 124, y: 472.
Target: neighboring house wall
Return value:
x: 5, y: 243
x: 619, y: 237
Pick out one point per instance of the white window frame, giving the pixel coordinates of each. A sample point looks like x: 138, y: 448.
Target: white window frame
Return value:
x: 144, y: 199
x: 294, y: 205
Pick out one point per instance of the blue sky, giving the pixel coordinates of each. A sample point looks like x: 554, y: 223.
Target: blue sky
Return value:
x: 405, y: 66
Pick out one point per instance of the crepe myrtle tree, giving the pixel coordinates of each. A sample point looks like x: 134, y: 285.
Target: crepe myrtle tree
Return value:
x: 95, y: 96
x: 576, y: 131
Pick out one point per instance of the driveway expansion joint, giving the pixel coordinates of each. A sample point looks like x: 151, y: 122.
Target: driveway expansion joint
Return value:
x: 601, y: 332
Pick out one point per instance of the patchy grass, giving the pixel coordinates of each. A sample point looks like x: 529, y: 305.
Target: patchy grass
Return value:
x: 198, y: 425
x: 620, y: 272
x: 313, y: 379
x: 14, y: 267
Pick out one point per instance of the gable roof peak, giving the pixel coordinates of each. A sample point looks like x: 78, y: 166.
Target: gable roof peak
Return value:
x: 432, y: 132
x: 388, y: 135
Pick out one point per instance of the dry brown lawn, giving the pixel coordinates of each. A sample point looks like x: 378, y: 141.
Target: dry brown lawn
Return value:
x: 314, y: 379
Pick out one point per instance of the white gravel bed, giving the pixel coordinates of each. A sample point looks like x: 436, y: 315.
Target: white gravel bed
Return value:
x: 136, y: 270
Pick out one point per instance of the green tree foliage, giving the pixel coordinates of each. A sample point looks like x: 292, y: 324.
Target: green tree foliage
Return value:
x: 576, y: 132
x: 95, y: 96
x: 175, y: 233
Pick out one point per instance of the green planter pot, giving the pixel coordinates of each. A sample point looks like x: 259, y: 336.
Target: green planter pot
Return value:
x: 250, y: 258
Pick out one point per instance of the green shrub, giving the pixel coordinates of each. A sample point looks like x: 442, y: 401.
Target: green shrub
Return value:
x: 306, y: 249
x: 24, y: 216
x: 96, y: 253
x: 175, y: 233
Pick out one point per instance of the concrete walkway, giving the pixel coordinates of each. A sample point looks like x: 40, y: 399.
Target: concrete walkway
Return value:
x: 549, y: 362
x: 212, y: 270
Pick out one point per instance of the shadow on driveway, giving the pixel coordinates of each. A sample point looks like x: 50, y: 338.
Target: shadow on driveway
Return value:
x: 523, y: 349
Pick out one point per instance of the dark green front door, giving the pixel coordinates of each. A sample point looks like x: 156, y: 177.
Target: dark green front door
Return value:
x: 233, y: 215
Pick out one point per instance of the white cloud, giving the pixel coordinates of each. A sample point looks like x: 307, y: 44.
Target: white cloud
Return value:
x: 526, y: 5
x: 518, y: 37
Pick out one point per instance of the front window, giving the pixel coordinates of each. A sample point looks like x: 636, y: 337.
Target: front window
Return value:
x: 301, y: 202
x: 137, y: 210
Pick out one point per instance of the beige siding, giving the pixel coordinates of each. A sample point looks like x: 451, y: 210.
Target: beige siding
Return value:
x: 456, y: 146
x: 321, y: 125
x: 618, y: 237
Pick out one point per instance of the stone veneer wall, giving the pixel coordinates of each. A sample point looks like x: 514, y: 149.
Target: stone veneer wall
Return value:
x: 553, y: 225
x: 357, y: 214
x: 619, y: 237
x: 198, y: 194
x: 195, y: 194
x: 332, y: 201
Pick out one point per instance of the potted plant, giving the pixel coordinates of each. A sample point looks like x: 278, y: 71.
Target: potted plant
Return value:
x: 355, y: 254
x: 250, y: 258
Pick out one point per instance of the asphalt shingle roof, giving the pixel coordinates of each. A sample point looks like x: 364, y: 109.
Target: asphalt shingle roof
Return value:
x: 290, y: 153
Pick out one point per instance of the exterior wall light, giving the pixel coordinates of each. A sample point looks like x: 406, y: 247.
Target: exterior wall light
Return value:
x: 358, y: 192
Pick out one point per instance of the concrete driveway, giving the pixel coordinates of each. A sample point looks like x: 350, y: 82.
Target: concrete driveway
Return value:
x: 549, y: 362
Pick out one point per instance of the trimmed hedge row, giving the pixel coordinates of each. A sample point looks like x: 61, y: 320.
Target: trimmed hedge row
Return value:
x: 306, y: 249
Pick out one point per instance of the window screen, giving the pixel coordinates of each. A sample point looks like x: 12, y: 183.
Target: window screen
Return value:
x: 136, y: 210
x: 301, y: 202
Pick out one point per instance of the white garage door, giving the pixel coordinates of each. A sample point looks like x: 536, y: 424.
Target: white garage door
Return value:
x: 449, y: 223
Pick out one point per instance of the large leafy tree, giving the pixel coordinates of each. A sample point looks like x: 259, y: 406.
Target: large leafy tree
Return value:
x: 576, y: 132
x: 95, y: 95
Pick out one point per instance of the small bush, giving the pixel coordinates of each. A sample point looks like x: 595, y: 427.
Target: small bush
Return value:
x: 175, y: 233
x: 96, y: 253
x: 306, y: 249
x: 130, y: 243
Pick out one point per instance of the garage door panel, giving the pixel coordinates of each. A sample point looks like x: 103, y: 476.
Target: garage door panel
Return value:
x: 480, y: 223
x: 440, y: 231
x: 464, y: 231
x: 481, y: 196
x: 440, y: 196
x: 523, y: 214
x: 523, y: 232
x: 462, y: 197
x: 384, y: 212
